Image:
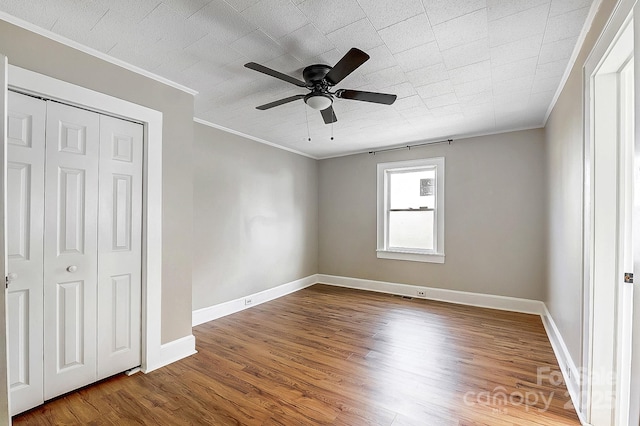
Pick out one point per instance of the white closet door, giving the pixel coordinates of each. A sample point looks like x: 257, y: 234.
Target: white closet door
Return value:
x: 119, y: 246
x: 25, y: 220
x: 70, y: 248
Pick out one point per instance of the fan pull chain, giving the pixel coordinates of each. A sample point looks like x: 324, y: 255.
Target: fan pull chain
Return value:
x: 332, y: 121
x: 306, y: 113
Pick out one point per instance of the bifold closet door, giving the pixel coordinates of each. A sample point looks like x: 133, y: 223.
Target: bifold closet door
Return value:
x: 25, y: 220
x: 74, y: 209
x: 119, y: 246
x: 70, y: 248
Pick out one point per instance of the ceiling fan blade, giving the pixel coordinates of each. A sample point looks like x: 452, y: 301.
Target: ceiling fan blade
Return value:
x: 274, y: 73
x: 280, y: 102
x: 328, y: 115
x: 345, y: 66
x: 357, y: 95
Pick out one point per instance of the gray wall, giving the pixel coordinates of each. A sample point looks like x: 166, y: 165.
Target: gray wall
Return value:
x: 39, y: 54
x: 255, y: 217
x: 564, y: 138
x: 495, y: 217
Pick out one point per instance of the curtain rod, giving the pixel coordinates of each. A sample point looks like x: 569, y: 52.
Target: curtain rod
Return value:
x: 411, y: 146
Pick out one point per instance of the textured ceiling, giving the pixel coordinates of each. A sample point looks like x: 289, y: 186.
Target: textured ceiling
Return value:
x: 459, y: 67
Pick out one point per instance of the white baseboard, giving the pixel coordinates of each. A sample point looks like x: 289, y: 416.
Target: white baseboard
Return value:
x: 570, y: 372
x: 211, y: 313
x: 504, y: 303
x: 174, y: 351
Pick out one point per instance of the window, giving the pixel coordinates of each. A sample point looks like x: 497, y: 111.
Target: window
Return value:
x: 411, y: 210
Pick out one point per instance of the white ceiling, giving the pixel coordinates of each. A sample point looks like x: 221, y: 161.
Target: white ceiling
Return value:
x: 459, y: 67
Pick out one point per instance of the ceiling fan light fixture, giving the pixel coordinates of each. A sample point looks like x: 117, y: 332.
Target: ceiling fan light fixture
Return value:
x: 319, y: 101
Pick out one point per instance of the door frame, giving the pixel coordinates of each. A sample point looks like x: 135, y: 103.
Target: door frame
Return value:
x: 623, y: 12
x: 36, y: 84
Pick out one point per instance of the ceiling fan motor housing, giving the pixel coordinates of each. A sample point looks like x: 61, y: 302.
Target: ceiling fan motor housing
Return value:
x: 314, y: 74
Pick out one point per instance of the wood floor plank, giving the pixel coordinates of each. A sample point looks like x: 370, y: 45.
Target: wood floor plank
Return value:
x: 335, y: 356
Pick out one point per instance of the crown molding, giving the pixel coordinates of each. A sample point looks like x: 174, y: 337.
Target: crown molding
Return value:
x: 253, y: 138
x: 595, y: 6
x: 91, y: 51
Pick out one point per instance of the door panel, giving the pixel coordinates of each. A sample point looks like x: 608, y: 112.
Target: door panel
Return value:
x: 70, y: 247
x: 71, y: 205
x: 70, y: 330
x: 121, y: 302
x: 18, y: 213
x: 25, y: 218
x: 119, y: 246
x: 18, y: 302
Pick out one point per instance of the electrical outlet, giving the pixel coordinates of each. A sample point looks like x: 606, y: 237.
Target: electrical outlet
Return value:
x: 422, y: 293
x: 247, y: 301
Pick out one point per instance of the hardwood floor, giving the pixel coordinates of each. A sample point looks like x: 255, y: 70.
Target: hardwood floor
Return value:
x: 333, y: 356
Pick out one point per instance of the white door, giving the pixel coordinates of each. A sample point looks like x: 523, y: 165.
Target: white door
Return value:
x: 4, y: 380
x: 634, y: 394
x: 25, y: 219
x: 610, y: 106
x: 70, y: 248
x: 626, y: 249
x: 119, y: 246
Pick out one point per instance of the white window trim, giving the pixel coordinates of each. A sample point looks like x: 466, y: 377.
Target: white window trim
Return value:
x: 437, y: 256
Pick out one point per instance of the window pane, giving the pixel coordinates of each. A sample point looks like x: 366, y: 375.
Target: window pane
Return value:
x: 413, y: 189
x: 411, y: 230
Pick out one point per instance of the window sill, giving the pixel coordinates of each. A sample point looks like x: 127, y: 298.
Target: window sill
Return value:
x: 410, y: 256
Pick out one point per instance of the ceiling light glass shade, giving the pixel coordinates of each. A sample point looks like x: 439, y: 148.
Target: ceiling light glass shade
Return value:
x: 318, y: 101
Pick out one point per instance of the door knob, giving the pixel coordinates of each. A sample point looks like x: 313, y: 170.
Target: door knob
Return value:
x: 12, y: 276
x: 72, y: 268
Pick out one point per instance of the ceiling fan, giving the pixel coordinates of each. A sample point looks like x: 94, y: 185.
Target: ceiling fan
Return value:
x: 320, y: 79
